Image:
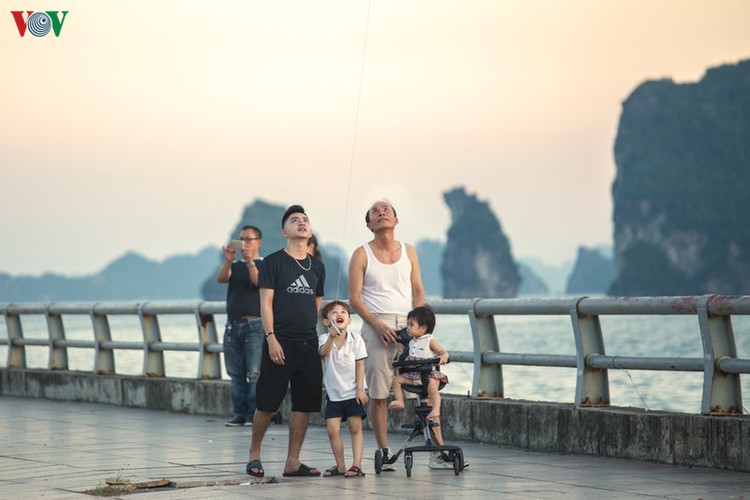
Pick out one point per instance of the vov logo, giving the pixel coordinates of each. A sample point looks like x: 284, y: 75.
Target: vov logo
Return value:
x: 39, y: 23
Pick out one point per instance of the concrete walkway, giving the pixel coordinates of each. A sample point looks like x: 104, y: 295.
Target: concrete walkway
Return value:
x: 52, y: 449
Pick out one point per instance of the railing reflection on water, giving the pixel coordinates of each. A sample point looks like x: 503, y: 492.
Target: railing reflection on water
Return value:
x: 720, y: 365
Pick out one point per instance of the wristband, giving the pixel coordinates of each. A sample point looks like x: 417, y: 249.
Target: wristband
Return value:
x: 269, y: 334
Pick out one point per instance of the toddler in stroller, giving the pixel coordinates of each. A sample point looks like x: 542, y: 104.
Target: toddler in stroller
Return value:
x: 419, y: 374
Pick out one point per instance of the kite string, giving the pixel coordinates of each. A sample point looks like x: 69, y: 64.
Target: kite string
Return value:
x: 354, y: 147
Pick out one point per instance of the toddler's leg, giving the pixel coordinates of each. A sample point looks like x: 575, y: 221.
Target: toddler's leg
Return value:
x: 433, y: 398
x: 398, y: 393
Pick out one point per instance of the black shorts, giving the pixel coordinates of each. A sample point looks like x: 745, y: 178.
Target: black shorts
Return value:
x: 302, y: 369
x: 344, y: 409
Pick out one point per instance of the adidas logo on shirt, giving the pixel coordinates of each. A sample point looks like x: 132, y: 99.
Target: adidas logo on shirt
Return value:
x: 300, y: 285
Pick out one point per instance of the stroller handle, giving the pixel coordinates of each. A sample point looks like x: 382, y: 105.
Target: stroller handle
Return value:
x: 416, y: 363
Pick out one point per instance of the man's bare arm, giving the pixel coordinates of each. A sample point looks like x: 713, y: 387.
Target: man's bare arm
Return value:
x: 418, y: 297
x: 266, y: 317
x: 225, y: 271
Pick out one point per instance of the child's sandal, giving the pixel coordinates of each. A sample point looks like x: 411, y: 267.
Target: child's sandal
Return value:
x: 354, y: 471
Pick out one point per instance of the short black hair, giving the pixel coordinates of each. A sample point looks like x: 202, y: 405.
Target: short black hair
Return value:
x: 367, y: 214
x: 258, y: 232
x: 424, y: 316
x: 292, y: 210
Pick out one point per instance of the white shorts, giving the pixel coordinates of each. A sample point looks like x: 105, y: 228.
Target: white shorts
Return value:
x: 380, y: 356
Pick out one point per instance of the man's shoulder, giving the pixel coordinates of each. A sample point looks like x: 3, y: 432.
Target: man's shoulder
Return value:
x: 273, y: 256
x: 360, y: 250
x: 317, y: 264
x: 269, y: 266
x: 411, y: 252
x: 359, y: 256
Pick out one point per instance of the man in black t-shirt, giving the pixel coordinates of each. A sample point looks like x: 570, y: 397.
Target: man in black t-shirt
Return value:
x: 243, y: 335
x: 291, y: 290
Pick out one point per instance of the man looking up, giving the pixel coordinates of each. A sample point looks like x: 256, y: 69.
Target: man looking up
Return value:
x: 384, y: 285
x: 291, y: 285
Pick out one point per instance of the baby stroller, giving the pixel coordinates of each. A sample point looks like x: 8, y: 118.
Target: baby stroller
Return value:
x: 421, y: 425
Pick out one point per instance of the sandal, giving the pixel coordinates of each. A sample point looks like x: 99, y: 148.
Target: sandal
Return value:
x: 303, y: 471
x: 333, y: 472
x: 255, y: 464
x: 354, y: 471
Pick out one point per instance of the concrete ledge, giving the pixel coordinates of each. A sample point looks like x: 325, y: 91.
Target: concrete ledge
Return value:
x: 671, y: 438
x: 209, y: 397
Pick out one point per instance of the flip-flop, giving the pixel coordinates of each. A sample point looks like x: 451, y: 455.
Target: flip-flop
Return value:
x: 333, y: 472
x: 255, y: 464
x: 355, y: 472
x: 302, y: 471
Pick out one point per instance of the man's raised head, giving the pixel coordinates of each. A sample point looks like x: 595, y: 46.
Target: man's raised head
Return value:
x: 376, y: 207
x: 294, y: 209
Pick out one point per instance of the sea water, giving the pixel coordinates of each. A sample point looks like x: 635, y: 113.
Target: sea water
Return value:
x: 663, y: 336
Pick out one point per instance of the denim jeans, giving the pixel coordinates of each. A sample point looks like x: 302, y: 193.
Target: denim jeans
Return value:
x: 243, y: 345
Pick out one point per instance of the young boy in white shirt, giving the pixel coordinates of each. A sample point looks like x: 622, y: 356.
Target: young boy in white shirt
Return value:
x: 344, y: 353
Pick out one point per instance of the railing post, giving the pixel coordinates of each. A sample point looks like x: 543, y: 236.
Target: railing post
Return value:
x: 722, y: 392
x: 153, y: 361
x: 488, y: 378
x: 592, y: 384
x: 16, y: 352
x: 104, y: 358
x: 209, y: 365
x: 58, y: 355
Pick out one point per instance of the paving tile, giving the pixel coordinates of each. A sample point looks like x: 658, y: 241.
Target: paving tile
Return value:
x: 53, y: 449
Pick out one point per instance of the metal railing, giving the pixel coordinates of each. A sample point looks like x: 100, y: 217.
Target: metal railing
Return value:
x: 720, y: 365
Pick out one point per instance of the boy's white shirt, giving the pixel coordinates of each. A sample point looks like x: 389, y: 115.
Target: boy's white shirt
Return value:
x: 340, y: 366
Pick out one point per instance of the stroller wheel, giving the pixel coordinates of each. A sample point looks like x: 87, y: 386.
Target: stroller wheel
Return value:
x: 378, y: 461
x: 458, y: 462
x: 408, y: 463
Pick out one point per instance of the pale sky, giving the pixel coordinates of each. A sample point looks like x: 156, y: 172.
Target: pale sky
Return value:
x: 149, y: 125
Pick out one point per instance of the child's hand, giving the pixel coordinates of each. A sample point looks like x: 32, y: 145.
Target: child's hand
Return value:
x: 362, y: 397
x: 444, y: 358
x: 332, y: 331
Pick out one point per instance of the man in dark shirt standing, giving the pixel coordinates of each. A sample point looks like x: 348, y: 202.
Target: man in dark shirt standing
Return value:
x: 243, y: 335
x: 291, y: 290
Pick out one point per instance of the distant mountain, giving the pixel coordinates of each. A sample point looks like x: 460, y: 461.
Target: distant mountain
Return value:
x: 430, y: 254
x: 130, y: 277
x: 682, y: 192
x: 593, y: 272
x: 555, y: 276
x: 531, y: 283
x: 477, y: 261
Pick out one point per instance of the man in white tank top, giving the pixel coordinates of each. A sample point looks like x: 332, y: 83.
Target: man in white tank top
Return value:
x: 384, y: 285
